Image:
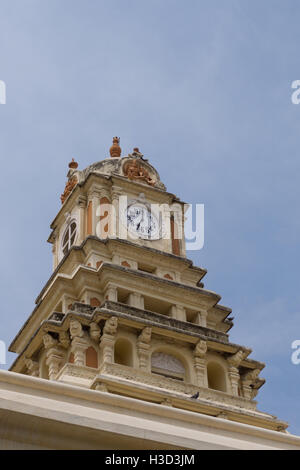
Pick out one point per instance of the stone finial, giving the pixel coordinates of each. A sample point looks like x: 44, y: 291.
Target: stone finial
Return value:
x: 115, y: 149
x: 73, y: 165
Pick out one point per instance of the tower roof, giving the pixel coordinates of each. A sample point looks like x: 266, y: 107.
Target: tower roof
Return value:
x: 132, y: 166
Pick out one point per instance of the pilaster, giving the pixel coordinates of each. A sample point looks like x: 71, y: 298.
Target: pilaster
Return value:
x: 107, y: 341
x: 143, y: 349
x: 200, y: 363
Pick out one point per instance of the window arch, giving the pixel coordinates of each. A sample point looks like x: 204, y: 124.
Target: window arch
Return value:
x: 123, y: 352
x: 167, y: 365
x: 216, y: 377
x: 91, y: 357
x: 69, y: 237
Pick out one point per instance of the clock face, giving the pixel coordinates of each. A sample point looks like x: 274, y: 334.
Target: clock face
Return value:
x: 141, y: 223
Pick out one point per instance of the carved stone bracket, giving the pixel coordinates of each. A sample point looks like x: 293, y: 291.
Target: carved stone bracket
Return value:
x: 33, y: 367
x: 76, y: 330
x: 49, y: 341
x: 248, y: 380
x: 95, y: 331
x: 200, y: 349
x: 64, y: 339
x: 111, y: 326
x: 236, y: 359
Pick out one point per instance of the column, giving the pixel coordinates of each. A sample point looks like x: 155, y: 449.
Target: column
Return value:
x: 54, y: 361
x: 234, y: 378
x: 201, y: 318
x: 136, y: 300
x: 234, y: 362
x: 119, y: 231
x: 55, y: 355
x: 81, y: 202
x: 178, y: 312
x: 111, y: 293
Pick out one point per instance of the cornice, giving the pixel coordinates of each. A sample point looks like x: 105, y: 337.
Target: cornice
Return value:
x: 50, y: 394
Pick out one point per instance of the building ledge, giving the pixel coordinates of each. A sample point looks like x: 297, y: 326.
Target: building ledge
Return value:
x: 67, y: 416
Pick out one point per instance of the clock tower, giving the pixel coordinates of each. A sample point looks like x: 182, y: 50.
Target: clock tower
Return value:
x: 125, y: 315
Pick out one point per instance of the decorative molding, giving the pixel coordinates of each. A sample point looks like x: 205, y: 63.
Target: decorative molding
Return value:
x: 64, y: 339
x: 76, y: 330
x: 135, y: 171
x: 111, y: 326
x: 49, y: 341
x: 33, y: 367
x: 70, y: 185
x: 200, y: 349
x: 134, y: 376
x: 95, y: 331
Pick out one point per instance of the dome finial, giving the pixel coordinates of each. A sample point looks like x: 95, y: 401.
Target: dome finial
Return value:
x: 73, y: 165
x: 115, y: 149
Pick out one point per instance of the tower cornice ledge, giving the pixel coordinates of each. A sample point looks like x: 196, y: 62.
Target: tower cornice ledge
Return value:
x: 138, y: 319
x: 108, y: 272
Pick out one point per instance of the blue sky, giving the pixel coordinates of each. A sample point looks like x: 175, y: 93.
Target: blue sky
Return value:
x: 203, y: 88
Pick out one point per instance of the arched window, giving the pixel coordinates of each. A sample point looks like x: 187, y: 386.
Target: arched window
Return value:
x: 167, y: 365
x: 216, y: 377
x: 91, y: 358
x: 69, y: 237
x: 123, y: 352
